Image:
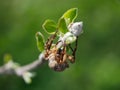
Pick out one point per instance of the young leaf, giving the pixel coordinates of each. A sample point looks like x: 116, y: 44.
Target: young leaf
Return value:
x: 49, y: 26
x: 7, y: 58
x: 70, y: 15
x: 40, y: 41
x: 62, y: 26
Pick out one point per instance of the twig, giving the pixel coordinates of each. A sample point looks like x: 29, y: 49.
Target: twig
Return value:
x: 19, y: 71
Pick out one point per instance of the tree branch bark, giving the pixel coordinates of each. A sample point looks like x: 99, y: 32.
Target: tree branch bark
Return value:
x: 19, y: 71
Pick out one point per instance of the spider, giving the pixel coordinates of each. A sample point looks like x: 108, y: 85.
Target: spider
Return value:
x: 59, y: 61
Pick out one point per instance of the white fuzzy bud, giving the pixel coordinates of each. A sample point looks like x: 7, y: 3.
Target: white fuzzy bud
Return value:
x: 76, y: 28
x: 67, y: 35
x: 70, y: 40
x: 63, y: 39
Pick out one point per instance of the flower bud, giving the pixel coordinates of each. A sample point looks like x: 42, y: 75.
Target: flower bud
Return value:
x: 76, y: 28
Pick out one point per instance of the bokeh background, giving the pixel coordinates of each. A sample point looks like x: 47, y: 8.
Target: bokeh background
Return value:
x: 97, y: 65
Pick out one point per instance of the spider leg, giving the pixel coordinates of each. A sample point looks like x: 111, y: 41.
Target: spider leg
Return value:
x: 48, y: 44
x: 63, y: 58
x: 72, y: 58
x: 70, y: 47
x: 50, y: 41
x: 75, y: 49
x: 64, y: 54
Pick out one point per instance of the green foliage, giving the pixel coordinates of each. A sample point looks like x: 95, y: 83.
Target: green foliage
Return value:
x: 62, y: 26
x: 70, y: 15
x: 40, y: 41
x: 49, y: 26
x: 7, y: 58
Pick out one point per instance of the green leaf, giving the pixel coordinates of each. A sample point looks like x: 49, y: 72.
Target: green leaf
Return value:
x: 49, y: 26
x: 62, y: 27
x: 40, y: 41
x: 70, y: 15
x: 7, y: 58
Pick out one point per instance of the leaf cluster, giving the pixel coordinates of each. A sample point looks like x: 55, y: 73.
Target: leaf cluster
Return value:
x: 51, y: 26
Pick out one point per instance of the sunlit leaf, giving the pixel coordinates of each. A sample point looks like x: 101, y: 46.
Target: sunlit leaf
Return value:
x: 62, y: 26
x: 70, y: 15
x: 7, y: 58
x: 40, y: 41
x: 49, y: 26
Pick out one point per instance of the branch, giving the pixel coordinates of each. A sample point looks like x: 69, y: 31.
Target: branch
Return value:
x: 37, y: 63
x: 12, y: 68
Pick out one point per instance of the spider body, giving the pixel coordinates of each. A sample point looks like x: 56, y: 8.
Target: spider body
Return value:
x: 58, y: 57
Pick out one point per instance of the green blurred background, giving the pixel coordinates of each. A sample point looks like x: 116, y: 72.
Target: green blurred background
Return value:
x: 98, y: 56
